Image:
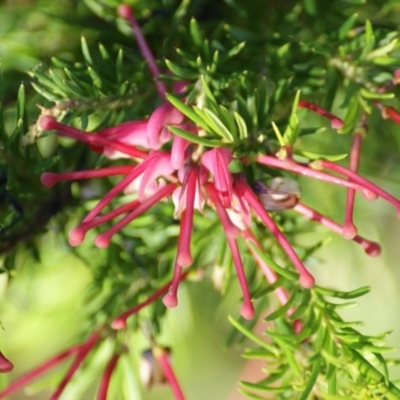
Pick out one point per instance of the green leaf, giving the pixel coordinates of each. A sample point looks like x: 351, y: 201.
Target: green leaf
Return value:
x: 182, y: 72
x: 216, y: 125
x: 284, y: 309
x: 279, y: 270
x: 374, y: 95
x: 353, y: 115
x: 262, y: 388
x: 241, y: 124
x: 290, y: 358
x: 188, y: 111
x: 118, y: 65
x: 189, y: 136
x: 302, y: 308
x: 343, y: 295
x: 369, y: 39
x: 236, y: 49
x: 278, y: 134
x: 382, y: 363
x: 383, y: 50
x: 104, y: 53
x: 85, y: 51
x: 254, y: 338
x: 292, y: 129
x: 195, y: 34
x: 317, y: 156
x: 347, y: 25
x: 311, y: 379
x: 21, y: 103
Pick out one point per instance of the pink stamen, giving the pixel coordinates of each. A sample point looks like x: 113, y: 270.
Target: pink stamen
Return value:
x: 126, y: 12
x: 80, y: 357
x: 266, y: 270
x: 49, y: 179
x: 5, y: 364
x: 293, y: 166
x: 77, y: 235
x: 49, y: 123
x: 119, y: 187
x: 349, y: 228
x: 184, y: 256
x: 368, y: 185
x: 104, y: 239
x: 371, y: 248
x: 247, y: 309
x: 162, y: 358
x: 105, y: 380
x: 170, y: 300
x: 120, y: 322
x: 31, y: 375
x: 336, y: 122
x: 306, y: 279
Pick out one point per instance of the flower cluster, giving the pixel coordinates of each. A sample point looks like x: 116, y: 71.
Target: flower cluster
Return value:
x: 160, y: 165
x: 194, y: 176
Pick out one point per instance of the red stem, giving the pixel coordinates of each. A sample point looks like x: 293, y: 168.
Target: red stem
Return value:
x: 105, y: 380
x: 80, y: 357
x: 31, y: 375
x: 162, y: 358
x: 120, y: 322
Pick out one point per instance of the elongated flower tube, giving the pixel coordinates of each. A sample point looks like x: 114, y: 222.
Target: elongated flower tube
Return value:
x: 105, y: 380
x: 349, y: 228
x: 368, y: 185
x: 247, y: 309
x: 159, y: 165
x: 371, y: 248
x: 306, y: 279
x: 336, y: 122
x: 162, y: 358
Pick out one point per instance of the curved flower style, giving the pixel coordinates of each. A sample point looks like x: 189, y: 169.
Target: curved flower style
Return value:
x: 191, y: 174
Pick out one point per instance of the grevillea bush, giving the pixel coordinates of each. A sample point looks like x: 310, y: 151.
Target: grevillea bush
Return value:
x: 175, y: 152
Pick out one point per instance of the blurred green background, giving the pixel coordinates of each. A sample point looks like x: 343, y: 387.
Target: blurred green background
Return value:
x: 42, y: 313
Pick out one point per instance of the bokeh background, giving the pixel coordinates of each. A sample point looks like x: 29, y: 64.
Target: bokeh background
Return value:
x: 41, y: 304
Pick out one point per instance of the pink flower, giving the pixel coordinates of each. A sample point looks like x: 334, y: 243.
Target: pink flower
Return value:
x: 160, y: 165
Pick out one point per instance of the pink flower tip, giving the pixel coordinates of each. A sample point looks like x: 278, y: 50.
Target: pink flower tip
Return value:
x: 118, y: 324
x: 102, y: 241
x: 369, y: 195
x: 125, y: 11
x: 373, y: 249
x: 48, y: 179
x: 247, y: 311
x: 185, y: 259
x: 337, y: 123
x: 76, y: 237
x: 47, y: 123
x: 349, y: 232
x: 307, y: 281
x: 170, y: 300
x: 5, y: 364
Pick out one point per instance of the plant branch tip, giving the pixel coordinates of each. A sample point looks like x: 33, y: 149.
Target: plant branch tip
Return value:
x: 125, y: 11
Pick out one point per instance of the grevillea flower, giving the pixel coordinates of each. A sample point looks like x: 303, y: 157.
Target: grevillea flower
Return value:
x: 189, y: 174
